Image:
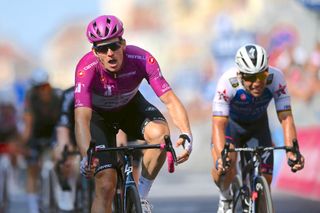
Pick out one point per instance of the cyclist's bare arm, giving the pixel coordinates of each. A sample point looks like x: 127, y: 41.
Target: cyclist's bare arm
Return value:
x: 179, y: 117
x: 63, y: 138
x: 26, y: 134
x: 219, y: 124
x: 290, y: 133
x: 82, y: 128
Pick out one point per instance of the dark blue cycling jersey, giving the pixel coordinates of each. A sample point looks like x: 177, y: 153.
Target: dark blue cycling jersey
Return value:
x: 231, y: 98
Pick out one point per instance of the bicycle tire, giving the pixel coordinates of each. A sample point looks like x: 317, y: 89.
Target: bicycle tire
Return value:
x: 4, y: 197
x: 263, y: 202
x: 236, y: 186
x: 132, y: 199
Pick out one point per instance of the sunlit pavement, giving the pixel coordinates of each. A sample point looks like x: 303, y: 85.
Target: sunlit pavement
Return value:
x: 187, y: 192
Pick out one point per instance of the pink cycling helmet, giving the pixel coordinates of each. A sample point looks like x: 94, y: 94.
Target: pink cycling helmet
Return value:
x: 104, y: 27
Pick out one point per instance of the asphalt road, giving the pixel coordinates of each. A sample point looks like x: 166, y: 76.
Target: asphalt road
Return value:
x: 195, y: 193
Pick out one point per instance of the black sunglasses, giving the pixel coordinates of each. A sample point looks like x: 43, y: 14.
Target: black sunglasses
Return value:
x: 252, y: 78
x: 104, y: 48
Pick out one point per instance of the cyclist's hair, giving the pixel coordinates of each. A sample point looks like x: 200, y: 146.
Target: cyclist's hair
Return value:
x: 251, y: 59
x: 104, y: 27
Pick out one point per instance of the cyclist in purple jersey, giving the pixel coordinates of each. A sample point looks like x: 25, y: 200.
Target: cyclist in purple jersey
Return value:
x: 240, y: 116
x: 107, y: 99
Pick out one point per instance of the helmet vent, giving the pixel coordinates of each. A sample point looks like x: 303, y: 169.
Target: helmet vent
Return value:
x: 91, y: 35
x: 254, y: 61
x: 108, y: 21
x: 115, y: 30
x: 107, y: 31
x: 262, y: 61
x: 98, y: 32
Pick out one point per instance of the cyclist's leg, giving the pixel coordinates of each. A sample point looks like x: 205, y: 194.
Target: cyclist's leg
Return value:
x: 124, y: 139
x: 33, y: 171
x: 151, y: 126
x: 263, y: 136
x: 234, y: 133
x: 105, y: 175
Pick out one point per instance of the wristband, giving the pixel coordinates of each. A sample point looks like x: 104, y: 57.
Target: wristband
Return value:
x: 187, y: 144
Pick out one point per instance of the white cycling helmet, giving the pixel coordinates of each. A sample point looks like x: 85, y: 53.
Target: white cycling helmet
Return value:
x: 39, y: 77
x: 251, y: 59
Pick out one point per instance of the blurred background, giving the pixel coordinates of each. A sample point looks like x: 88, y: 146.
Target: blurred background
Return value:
x: 194, y: 43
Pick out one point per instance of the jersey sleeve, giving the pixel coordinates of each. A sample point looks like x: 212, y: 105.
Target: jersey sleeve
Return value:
x: 280, y: 92
x: 67, y: 101
x: 154, y: 76
x: 83, y: 80
x: 222, y: 98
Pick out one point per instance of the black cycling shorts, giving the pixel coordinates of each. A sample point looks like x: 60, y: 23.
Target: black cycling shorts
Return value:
x: 37, y: 147
x: 131, y: 119
x: 253, y: 134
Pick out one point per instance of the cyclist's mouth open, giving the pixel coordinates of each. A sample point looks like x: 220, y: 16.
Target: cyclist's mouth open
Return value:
x: 113, y: 62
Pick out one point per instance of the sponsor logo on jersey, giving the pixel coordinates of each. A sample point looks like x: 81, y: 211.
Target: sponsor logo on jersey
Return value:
x: 234, y: 82
x: 243, y: 97
x: 81, y: 73
x: 90, y: 65
x: 281, y: 90
x: 270, y: 79
x: 78, y: 88
x: 140, y: 57
x: 109, y: 89
x: 150, y: 108
x: 151, y: 60
x: 223, y: 95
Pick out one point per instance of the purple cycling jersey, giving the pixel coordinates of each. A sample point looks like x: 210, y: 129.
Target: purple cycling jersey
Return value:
x: 97, y: 88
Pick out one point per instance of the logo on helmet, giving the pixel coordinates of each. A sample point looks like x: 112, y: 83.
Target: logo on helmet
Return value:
x: 252, y: 53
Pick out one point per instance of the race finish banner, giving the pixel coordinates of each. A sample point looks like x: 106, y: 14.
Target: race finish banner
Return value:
x: 304, y: 183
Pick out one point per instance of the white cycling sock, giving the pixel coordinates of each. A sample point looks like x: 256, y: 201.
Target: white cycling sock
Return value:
x: 33, y: 203
x: 144, y: 187
x: 226, y: 194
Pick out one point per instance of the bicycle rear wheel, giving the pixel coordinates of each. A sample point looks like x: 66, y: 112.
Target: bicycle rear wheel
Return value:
x: 236, y: 186
x: 133, y: 204
x: 4, y: 199
x: 263, y: 203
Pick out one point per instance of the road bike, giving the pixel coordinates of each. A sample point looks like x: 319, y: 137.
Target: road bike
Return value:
x: 127, y: 199
x: 60, y: 194
x: 251, y: 192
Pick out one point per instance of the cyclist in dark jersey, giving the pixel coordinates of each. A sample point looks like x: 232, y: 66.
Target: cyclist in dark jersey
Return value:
x: 240, y: 115
x: 107, y: 99
x: 42, y: 106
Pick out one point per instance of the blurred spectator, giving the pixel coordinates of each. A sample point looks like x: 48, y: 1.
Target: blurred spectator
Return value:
x: 285, y: 53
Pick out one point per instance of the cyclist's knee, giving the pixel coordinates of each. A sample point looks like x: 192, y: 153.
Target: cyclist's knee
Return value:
x: 155, y: 131
x: 105, y: 189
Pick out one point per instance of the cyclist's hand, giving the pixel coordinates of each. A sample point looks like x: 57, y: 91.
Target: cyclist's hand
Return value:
x: 66, y: 168
x: 84, y: 169
x: 294, y: 163
x: 183, y: 156
x: 186, y: 141
x: 223, y: 169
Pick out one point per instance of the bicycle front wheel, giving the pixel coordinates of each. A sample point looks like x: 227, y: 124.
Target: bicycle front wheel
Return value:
x: 133, y: 204
x: 263, y: 202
